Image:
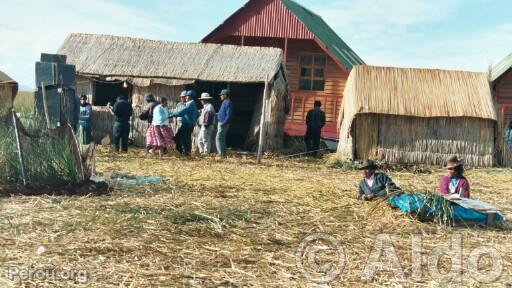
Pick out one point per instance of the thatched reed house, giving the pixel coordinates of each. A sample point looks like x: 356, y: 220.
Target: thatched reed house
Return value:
x: 419, y: 116
x: 8, y: 90
x: 108, y: 66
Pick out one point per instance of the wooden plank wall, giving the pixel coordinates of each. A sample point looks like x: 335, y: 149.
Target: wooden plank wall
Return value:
x: 504, y: 96
x: 335, y: 79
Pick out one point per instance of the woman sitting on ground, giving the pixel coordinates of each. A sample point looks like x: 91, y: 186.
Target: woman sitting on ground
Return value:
x: 160, y: 136
x: 454, y: 181
x: 374, y: 184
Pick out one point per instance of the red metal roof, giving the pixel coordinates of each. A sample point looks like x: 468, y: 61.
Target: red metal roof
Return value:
x: 262, y: 18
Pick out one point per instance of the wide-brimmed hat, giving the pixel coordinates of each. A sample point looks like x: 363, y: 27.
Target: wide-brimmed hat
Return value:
x: 368, y: 164
x: 183, y: 93
x: 453, y: 161
x: 205, y: 96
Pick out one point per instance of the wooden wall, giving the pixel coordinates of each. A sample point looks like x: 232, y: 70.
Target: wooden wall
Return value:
x: 504, y: 97
x: 302, y: 101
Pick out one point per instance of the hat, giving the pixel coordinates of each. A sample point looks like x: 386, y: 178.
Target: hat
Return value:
x: 205, y: 96
x: 368, y: 164
x: 224, y: 92
x: 183, y: 93
x: 453, y: 161
x: 191, y: 93
x: 150, y: 98
x: 83, y: 97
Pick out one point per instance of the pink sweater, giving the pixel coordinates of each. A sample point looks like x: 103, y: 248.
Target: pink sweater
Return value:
x: 462, y: 187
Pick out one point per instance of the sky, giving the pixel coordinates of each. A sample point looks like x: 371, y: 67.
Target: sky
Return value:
x: 447, y: 34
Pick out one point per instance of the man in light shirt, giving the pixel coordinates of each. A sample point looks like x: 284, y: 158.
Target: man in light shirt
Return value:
x: 374, y: 184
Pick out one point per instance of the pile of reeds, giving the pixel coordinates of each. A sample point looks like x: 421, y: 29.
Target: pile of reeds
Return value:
x: 48, y: 158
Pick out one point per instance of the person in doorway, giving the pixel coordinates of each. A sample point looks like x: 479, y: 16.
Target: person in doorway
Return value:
x: 160, y: 135
x: 454, y: 181
x: 315, y: 121
x: 374, y: 184
x: 84, y: 121
x: 224, y: 121
x: 122, y: 111
x: 188, y: 116
x: 206, y: 121
x: 178, y: 138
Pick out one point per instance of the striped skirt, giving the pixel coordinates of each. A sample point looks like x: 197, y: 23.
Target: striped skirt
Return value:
x: 159, y: 137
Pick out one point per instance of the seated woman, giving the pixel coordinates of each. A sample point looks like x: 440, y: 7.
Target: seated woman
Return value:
x: 374, y: 184
x: 454, y: 181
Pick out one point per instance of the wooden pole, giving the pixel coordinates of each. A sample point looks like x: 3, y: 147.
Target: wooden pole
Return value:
x: 262, y: 121
x: 45, y: 107
x: 20, y: 151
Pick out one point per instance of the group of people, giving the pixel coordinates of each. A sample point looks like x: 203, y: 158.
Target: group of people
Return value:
x: 160, y: 136
x: 377, y: 184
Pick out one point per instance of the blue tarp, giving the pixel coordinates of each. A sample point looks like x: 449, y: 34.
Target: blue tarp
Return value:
x: 413, y: 203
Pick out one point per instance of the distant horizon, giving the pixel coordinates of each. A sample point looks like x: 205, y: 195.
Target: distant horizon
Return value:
x: 467, y: 35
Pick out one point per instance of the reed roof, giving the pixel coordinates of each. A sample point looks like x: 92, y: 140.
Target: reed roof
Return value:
x: 115, y: 56
x: 417, y: 92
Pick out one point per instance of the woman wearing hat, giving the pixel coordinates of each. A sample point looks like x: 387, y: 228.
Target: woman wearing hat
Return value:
x: 454, y: 181
x: 84, y: 121
x: 160, y: 136
x: 374, y: 184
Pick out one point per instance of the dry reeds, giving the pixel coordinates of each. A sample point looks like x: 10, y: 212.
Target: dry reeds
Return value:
x: 230, y: 223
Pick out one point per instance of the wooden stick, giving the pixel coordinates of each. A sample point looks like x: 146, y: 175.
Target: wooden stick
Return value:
x: 262, y: 121
x: 20, y: 151
x: 48, y: 124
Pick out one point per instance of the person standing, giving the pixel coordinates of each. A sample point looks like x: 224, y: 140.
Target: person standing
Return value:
x: 159, y: 136
x: 147, y: 114
x: 224, y: 120
x: 84, y: 121
x: 180, y: 147
x: 315, y: 121
x: 206, y: 121
x: 122, y: 111
x: 188, y: 116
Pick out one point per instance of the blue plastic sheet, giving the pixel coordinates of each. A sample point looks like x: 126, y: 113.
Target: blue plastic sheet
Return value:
x: 416, y: 203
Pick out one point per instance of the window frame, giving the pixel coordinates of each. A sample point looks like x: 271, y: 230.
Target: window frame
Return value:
x: 313, y: 68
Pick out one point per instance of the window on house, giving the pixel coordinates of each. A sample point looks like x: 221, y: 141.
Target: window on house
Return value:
x: 312, y: 72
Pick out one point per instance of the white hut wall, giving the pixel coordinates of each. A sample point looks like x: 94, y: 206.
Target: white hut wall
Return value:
x: 84, y: 87
x: 276, y: 116
x: 158, y: 90
x: 416, y: 140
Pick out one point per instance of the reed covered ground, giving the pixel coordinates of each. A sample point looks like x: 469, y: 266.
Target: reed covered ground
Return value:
x: 230, y: 222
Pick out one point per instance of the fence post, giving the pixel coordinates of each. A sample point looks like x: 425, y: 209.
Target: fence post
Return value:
x: 20, y: 151
x: 45, y: 106
x: 262, y: 121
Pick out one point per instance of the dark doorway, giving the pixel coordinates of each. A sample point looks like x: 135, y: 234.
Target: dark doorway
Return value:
x: 107, y: 92
x: 244, y: 97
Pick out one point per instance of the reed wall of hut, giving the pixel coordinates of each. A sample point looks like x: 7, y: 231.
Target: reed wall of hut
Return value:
x: 416, y: 116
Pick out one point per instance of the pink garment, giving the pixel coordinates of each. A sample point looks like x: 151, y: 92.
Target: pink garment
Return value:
x: 462, y: 187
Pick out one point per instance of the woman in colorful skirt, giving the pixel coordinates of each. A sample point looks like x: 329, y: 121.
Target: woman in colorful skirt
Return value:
x: 160, y: 137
